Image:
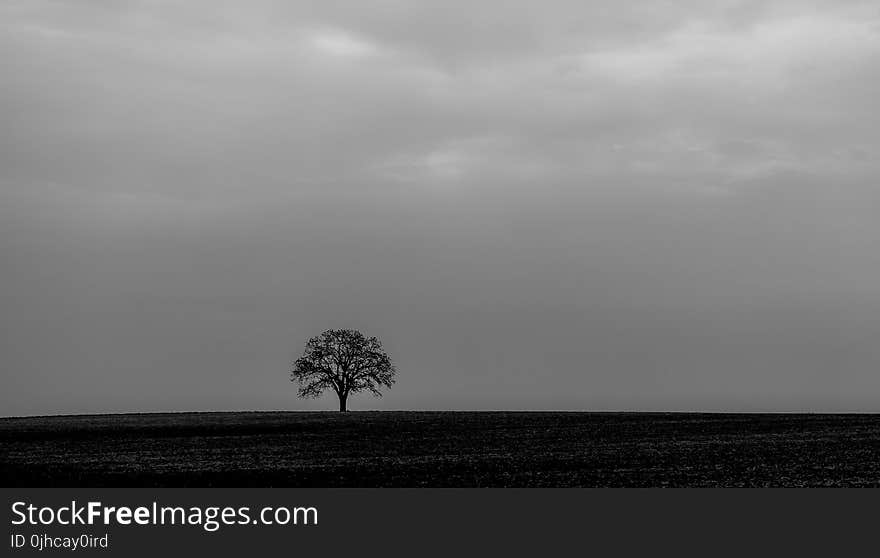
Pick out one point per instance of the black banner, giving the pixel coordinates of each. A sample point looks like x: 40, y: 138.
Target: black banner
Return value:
x: 407, y: 522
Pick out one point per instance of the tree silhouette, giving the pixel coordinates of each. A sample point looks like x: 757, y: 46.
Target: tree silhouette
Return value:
x: 345, y: 361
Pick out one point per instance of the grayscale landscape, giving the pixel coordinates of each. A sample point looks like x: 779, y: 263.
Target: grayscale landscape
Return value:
x: 510, y: 221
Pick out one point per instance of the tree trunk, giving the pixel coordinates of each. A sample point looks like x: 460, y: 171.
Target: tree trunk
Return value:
x: 343, y: 398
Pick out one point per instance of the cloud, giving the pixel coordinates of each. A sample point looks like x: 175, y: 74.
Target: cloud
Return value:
x: 766, y: 51
x: 438, y: 170
x: 255, y: 88
x: 338, y: 43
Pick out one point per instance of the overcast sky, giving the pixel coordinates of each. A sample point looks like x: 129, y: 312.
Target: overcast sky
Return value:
x: 535, y: 205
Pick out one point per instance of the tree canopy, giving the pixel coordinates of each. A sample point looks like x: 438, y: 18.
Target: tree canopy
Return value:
x: 345, y: 361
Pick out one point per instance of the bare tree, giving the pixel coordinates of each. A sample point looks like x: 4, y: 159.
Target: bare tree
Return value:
x: 345, y: 361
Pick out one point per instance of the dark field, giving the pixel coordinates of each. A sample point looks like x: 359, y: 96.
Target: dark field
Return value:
x: 441, y: 449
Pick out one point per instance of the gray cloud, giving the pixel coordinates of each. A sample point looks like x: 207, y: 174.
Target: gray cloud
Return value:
x: 660, y: 206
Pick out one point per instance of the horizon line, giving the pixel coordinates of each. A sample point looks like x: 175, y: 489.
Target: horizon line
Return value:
x: 332, y: 411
